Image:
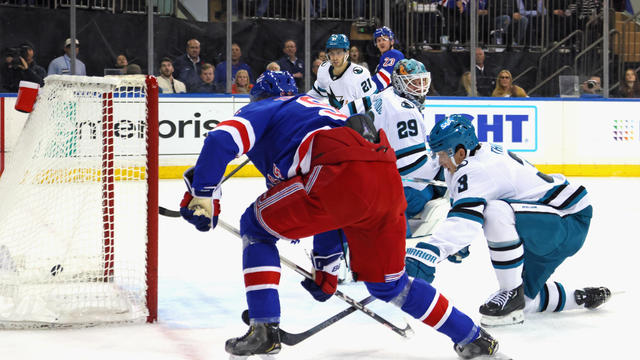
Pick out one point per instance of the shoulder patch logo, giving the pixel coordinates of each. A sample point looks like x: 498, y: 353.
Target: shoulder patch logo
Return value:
x: 407, y: 105
x: 357, y: 70
x: 378, y: 106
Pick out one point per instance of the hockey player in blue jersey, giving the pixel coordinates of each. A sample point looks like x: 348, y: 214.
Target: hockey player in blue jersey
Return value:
x: 384, y: 39
x: 531, y: 221
x: 319, y: 177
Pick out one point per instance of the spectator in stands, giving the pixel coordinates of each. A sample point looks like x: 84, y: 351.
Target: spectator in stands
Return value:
x: 241, y: 85
x: 121, y: 61
x: 260, y: 6
x: 236, y: 64
x: 273, y: 66
x: 133, y: 69
x: 62, y: 64
x: 187, y: 67
x: 322, y: 55
x: 455, y: 19
x: 592, y: 87
x: 534, y: 12
x: 570, y: 15
x: 20, y: 65
x: 291, y: 63
x: 315, y: 65
x: 167, y: 83
x: 464, y: 88
x: 485, y: 78
x: 630, y: 86
x: 506, y: 88
x: 207, y: 83
x: 321, y: 6
x: 507, y: 16
x: 355, y: 56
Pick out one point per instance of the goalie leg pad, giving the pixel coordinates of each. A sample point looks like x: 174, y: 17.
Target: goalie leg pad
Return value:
x: 421, y: 261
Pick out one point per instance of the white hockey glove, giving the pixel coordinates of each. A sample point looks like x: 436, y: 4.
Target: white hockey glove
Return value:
x: 201, y: 212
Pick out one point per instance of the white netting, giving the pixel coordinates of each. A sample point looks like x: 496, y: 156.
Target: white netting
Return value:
x: 73, y: 209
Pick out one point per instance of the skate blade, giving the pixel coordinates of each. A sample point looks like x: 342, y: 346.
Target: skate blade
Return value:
x: 496, y: 356
x: 515, y: 317
x: 246, y: 357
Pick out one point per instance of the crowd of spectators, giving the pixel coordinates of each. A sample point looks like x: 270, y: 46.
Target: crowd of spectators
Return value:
x: 189, y: 73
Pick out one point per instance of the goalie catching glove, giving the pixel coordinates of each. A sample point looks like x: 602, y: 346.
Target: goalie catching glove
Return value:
x: 326, y: 276
x: 201, y: 211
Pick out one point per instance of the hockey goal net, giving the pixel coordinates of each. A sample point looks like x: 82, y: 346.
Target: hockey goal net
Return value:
x: 78, y: 208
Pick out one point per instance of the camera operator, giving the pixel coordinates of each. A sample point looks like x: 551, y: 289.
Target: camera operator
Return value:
x: 20, y: 65
x: 591, y: 87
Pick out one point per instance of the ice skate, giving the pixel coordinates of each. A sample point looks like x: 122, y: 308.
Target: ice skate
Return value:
x: 484, y: 345
x: 505, y: 307
x: 592, y: 297
x: 260, y: 339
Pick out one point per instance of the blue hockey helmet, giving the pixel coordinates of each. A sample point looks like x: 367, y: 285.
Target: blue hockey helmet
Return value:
x: 383, y: 31
x: 454, y: 130
x: 338, y: 41
x: 273, y: 83
x: 411, y: 80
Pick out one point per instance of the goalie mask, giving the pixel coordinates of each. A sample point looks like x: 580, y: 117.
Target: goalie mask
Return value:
x: 447, y: 134
x: 273, y: 83
x: 411, y: 80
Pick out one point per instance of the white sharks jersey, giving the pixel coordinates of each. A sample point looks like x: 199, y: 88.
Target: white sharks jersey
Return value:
x: 354, y: 83
x: 492, y: 173
x: 404, y: 125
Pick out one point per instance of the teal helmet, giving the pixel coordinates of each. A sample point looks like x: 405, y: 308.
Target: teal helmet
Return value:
x: 338, y: 41
x: 454, y: 130
x: 411, y: 80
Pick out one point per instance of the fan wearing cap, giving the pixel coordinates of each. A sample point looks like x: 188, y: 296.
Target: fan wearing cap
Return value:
x: 62, y: 64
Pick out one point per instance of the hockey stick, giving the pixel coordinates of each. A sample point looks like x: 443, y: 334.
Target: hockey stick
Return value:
x: 291, y: 339
x: 173, y: 213
x: 426, y: 181
x: 405, y: 332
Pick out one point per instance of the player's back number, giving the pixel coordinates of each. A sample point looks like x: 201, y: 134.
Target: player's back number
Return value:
x: 407, y: 128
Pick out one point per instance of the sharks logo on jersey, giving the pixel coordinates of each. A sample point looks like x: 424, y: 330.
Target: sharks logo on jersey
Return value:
x: 407, y: 105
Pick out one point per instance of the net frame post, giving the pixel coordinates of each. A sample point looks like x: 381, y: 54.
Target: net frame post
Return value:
x: 153, y: 136
x: 108, y: 186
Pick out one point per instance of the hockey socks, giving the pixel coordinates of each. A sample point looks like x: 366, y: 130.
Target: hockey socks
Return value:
x: 261, y: 267
x: 425, y: 303
x: 554, y: 298
x: 507, y: 258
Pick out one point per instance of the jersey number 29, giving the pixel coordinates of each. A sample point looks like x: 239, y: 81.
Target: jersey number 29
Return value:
x: 407, y: 128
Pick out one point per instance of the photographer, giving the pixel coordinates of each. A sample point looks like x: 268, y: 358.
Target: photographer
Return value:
x: 20, y: 65
x: 591, y: 87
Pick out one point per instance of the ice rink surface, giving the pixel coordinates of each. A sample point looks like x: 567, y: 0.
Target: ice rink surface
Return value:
x: 201, y: 297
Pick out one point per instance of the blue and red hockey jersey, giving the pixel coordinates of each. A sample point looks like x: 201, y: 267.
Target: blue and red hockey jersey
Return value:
x: 276, y: 134
x: 388, y: 60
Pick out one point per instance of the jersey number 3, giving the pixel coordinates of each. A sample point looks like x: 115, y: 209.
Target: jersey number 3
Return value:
x: 407, y: 128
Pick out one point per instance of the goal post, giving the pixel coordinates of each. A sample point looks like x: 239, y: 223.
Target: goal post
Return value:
x: 79, y: 209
